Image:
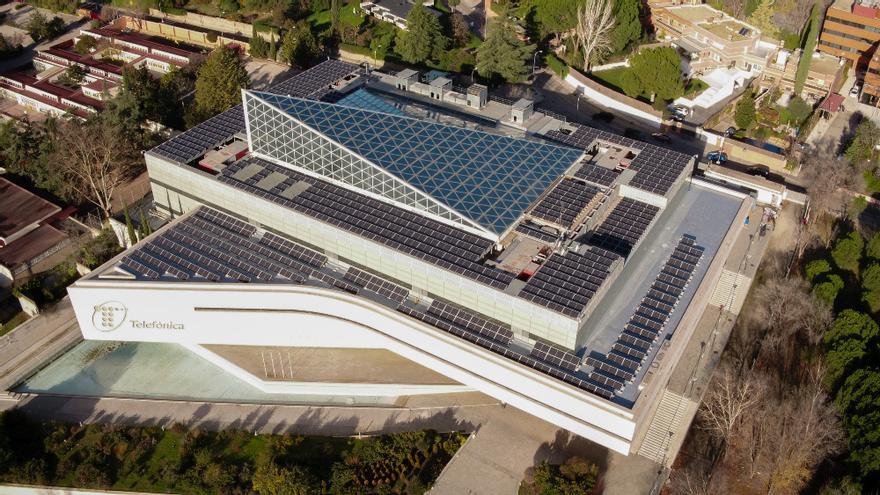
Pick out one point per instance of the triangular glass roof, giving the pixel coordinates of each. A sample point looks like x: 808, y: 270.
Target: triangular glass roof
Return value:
x: 486, y: 178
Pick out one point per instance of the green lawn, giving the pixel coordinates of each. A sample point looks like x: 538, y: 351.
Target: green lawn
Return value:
x: 694, y: 87
x: 610, y: 78
x: 15, y: 321
x: 347, y: 16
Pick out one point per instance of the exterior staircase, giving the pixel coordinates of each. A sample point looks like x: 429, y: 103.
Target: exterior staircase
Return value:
x: 731, y: 291
x: 666, y: 422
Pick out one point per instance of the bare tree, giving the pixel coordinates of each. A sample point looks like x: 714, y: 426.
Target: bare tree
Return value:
x: 791, y: 319
x: 829, y: 181
x: 728, y: 399
x: 95, y: 158
x: 806, y: 430
x: 592, y: 31
x: 691, y: 479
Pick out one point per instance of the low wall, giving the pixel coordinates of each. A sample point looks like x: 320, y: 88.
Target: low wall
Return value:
x: 613, y: 100
x: 207, y: 22
x: 753, y: 155
x: 613, y: 65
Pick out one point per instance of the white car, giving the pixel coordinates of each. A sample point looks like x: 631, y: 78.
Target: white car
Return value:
x: 854, y: 92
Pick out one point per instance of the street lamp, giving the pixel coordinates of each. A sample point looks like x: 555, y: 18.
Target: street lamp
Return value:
x: 534, y: 59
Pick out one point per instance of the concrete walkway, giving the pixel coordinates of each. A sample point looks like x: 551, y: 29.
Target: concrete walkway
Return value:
x: 36, y: 342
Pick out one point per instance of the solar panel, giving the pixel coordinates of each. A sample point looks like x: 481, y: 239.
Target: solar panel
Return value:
x: 624, y: 226
x: 555, y: 356
x: 375, y: 284
x: 413, y: 234
x: 535, y: 232
x: 565, y: 203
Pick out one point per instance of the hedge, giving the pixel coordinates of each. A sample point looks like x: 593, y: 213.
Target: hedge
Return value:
x: 556, y: 65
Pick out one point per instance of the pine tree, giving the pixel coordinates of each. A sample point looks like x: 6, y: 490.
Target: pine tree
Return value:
x: 258, y: 46
x: 423, y: 38
x: 762, y: 18
x: 220, y: 80
x: 627, y: 24
x: 273, y: 50
x: 503, y: 54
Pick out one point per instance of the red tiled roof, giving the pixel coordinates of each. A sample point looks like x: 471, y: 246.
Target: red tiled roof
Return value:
x: 832, y: 103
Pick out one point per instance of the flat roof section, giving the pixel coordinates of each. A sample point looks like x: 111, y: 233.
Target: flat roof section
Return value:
x: 699, y: 212
x: 20, y: 208
x: 29, y: 246
x: 489, y: 179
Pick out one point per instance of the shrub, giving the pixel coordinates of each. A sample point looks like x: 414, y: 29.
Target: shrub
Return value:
x: 556, y: 65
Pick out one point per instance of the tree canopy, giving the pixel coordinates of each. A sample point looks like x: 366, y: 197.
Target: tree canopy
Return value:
x: 627, y: 24
x: 848, y: 251
x: 659, y: 72
x: 423, y: 37
x: 862, y: 147
x: 744, y: 112
x: 299, y: 45
x: 503, y: 54
x: 219, y: 83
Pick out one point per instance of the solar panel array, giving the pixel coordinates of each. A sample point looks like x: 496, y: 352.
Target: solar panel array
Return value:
x: 204, y: 137
x: 316, y: 82
x: 565, y: 202
x: 490, y: 179
x: 621, y: 364
x: 624, y: 226
x: 472, y: 321
x: 435, y: 242
x: 216, y: 247
x: 555, y: 356
x: 566, y: 283
x: 503, y: 349
x: 375, y: 284
x: 535, y: 232
x: 656, y: 168
x: 195, y: 142
x: 596, y: 174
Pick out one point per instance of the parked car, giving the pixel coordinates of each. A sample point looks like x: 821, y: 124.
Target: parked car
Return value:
x: 759, y: 171
x: 730, y: 131
x: 659, y: 136
x: 603, y: 116
x: 856, y: 89
x: 717, y: 156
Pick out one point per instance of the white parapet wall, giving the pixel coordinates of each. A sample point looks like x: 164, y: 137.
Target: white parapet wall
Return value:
x: 281, y: 315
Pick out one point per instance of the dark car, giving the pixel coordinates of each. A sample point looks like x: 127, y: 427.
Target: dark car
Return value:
x: 632, y: 133
x: 730, y: 131
x: 663, y: 138
x: 759, y: 170
x: 603, y: 116
x: 717, y: 156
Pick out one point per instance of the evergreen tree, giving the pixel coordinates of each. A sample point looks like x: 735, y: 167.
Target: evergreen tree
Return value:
x: 129, y: 227
x: 659, y: 72
x: 762, y: 18
x: 259, y: 48
x: 299, y: 45
x: 423, y: 38
x: 744, y: 112
x: 273, y: 50
x: 627, y: 25
x: 503, y: 54
x: 220, y: 81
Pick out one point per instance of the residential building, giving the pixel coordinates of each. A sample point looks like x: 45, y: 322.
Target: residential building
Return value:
x: 871, y: 86
x: 27, y: 236
x: 851, y: 30
x: 824, y: 76
x: 489, y: 247
x: 711, y: 39
x: 394, y: 11
x: 49, y: 92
